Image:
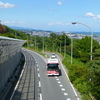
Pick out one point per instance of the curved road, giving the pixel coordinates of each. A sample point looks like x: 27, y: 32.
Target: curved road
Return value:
x: 44, y: 87
x: 53, y: 88
x: 26, y: 87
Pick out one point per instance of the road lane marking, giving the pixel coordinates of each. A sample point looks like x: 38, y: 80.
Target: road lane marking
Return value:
x: 38, y: 69
x: 63, y: 89
x: 18, y: 80
x: 68, y: 98
x: 39, y: 84
x: 59, y: 82
x: 40, y: 96
x: 61, y: 85
x: 65, y: 93
x: 38, y: 75
x: 68, y: 79
x: 57, y: 79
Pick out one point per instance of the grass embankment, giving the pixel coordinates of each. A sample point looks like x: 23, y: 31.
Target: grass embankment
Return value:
x: 78, y: 73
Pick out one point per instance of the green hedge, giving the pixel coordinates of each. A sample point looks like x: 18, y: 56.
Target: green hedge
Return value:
x: 78, y: 73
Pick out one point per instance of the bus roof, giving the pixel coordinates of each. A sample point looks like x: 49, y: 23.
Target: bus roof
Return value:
x: 53, y: 60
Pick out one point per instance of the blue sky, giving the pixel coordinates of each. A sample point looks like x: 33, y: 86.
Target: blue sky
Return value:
x: 54, y: 15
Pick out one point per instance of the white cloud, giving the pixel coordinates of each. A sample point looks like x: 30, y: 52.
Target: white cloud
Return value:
x: 58, y: 23
x: 98, y: 16
x: 21, y: 22
x: 51, y: 9
x: 89, y: 14
x: 7, y: 22
x: 12, y: 22
x: 59, y: 3
x: 6, y: 5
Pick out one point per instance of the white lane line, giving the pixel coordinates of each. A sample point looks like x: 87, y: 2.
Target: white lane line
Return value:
x: 68, y: 79
x: 63, y: 89
x: 39, y: 84
x: 59, y: 82
x: 18, y: 80
x: 38, y: 69
x: 65, y: 93
x: 61, y: 85
x: 38, y: 75
x: 40, y: 96
x: 57, y: 79
x: 68, y: 98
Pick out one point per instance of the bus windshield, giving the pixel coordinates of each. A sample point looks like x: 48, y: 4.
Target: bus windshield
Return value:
x: 52, y: 67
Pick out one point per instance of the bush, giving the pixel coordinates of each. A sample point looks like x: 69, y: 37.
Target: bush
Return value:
x: 78, y: 73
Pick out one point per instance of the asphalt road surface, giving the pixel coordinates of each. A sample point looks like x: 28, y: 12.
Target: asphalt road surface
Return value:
x: 26, y: 87
x: 56, y: 87
x: 34, y: 84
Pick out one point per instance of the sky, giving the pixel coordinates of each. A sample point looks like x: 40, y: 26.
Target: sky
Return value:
x: 54, y: 15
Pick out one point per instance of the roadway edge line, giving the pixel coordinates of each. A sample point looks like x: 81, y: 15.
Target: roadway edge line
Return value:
x: 18, y: 80
x: 68, y: 78
x: 63, y: 70
x: 40, y: 96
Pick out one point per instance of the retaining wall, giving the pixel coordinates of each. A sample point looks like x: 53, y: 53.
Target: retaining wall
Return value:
x: 10, y: 56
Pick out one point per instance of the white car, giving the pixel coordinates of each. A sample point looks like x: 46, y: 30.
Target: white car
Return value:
x: 53, y: 55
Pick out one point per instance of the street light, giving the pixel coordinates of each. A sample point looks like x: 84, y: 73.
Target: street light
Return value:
x: 91, y: 35
x: 71, y: 48
x: 65, y: 47
x: 43, y: 44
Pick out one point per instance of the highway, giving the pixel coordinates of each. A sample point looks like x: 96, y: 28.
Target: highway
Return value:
x: 26, y: 87
x: 34, y: 84
x: 53, y: 88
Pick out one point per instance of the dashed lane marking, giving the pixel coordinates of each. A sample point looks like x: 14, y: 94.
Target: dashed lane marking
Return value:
x: 61, y: 85
x: 68, y: 98
x: 65, y: 93
x: 39, y: 84
x: 59, y: 82
x: 38, y: 75
x: 37, y: 69
x: 57, y: 79
x: 40, y: 96
x: 63, y: 89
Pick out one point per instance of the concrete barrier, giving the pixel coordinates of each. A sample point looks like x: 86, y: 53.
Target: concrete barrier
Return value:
x: 10, y: 56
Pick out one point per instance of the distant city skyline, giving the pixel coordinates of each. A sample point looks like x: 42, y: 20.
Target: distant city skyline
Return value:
x: 53, y: 15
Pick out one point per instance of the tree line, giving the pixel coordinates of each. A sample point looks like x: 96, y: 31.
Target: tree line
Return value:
x: 83, y: 72
x: 85, y: 77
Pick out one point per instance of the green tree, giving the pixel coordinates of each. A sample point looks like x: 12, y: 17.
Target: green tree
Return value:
x: 94, y: 70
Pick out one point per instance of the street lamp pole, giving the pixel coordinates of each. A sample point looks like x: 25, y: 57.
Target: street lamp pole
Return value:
x: 65, y: 47
x: 43, y: 44
x: 91, y: 35
x: 71, y: 48
x: 60, y: 46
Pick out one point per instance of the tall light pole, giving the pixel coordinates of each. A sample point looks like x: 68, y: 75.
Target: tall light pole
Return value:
x: 91, y: 36
x: 60, y: 47
x: 43, y: 44
x: 71, y: 48
x: 65, y: 47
